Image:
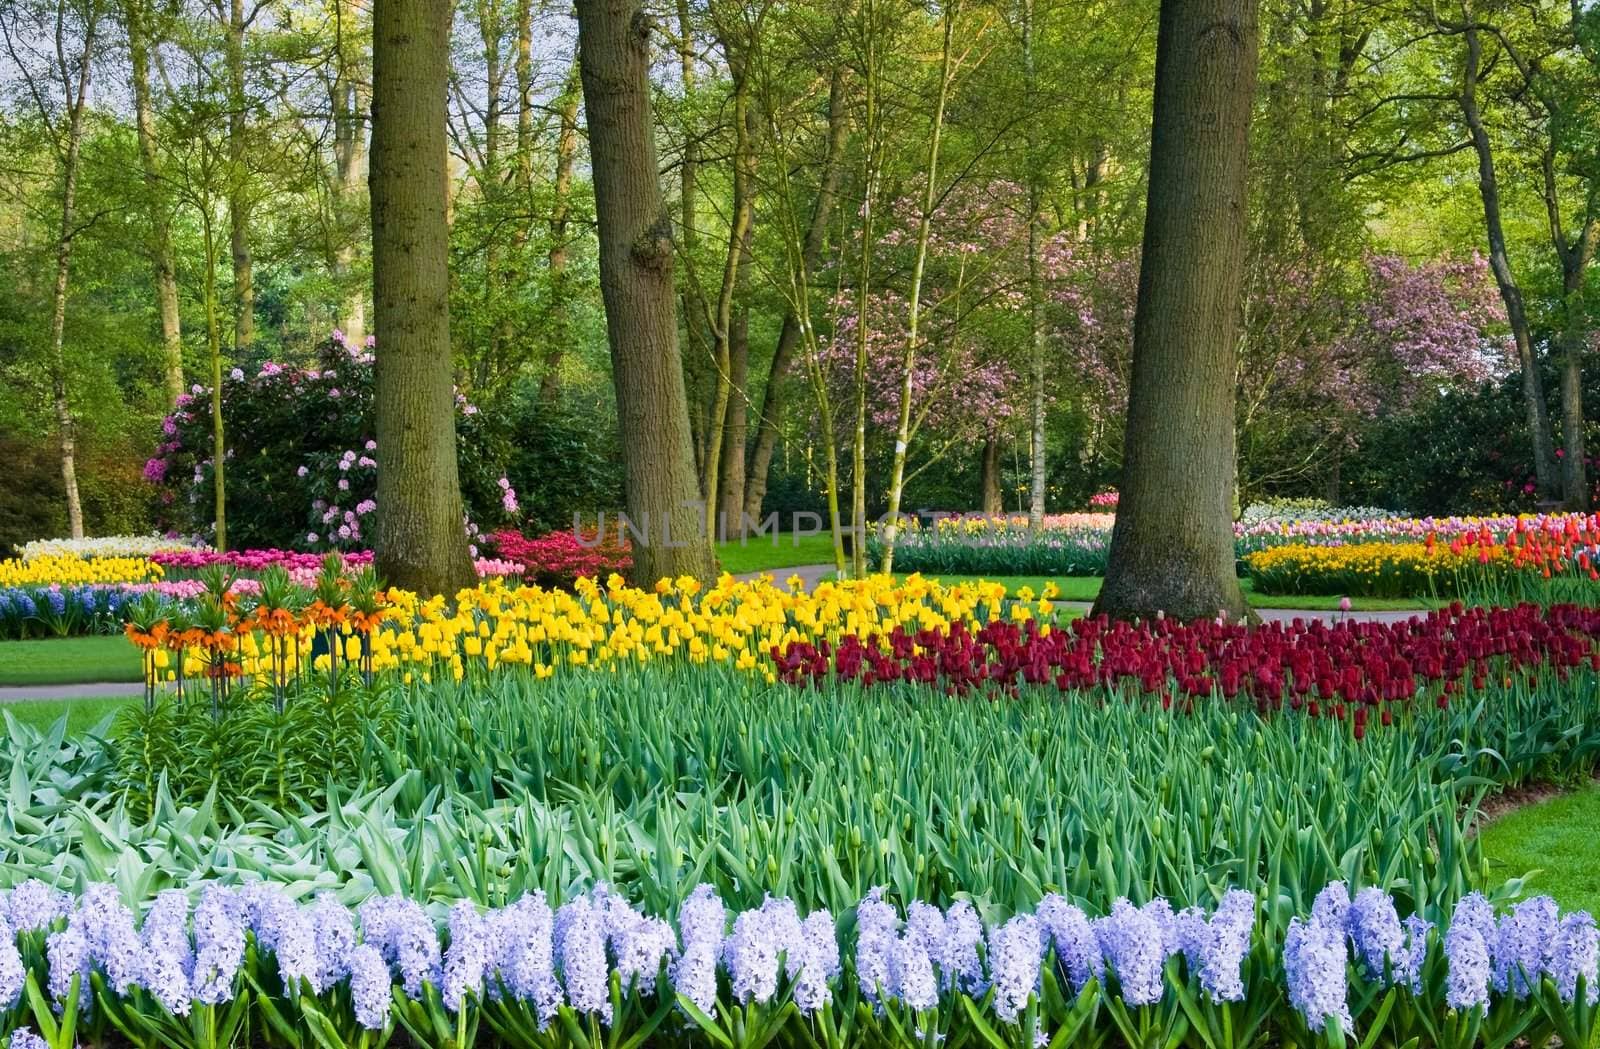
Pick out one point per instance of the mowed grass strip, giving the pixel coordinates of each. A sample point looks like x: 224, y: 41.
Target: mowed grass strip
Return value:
x: 68, y: 661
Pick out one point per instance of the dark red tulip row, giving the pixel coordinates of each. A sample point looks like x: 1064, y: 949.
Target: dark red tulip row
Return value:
x: 1303, y: 663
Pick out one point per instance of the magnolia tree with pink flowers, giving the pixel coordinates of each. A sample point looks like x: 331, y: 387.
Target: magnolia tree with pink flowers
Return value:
x: 302, y: 460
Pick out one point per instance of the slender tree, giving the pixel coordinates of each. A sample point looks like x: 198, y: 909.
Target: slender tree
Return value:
x: 420, y: 543
x: 636, y: 250
x: 560, y: 323
x: 1172, y: 545
x: 138, y: 14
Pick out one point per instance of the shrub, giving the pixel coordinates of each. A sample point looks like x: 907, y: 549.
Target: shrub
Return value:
x: 562, y: 558
x: 302, y: 466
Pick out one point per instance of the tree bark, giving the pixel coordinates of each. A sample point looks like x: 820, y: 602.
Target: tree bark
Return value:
x: 421, y: 543
x: 1544, y: 466
x: 137, y: 14
x: 1172, y: 545
x: 774, y: 397
x: 560, y: 326
x: 219, y: 443
x: 244, y: 296
x: 695, y: 353
x: 349, y: 156
x: 1036, y: 360
x: 908, y: 358
x: 993, y: 497
x: 636, y: 255
x: 736, y: 421
x: 66, y: 427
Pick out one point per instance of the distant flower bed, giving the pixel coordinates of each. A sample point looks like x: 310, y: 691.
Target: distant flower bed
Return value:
x: 119, y: 546
x: 562, y: 558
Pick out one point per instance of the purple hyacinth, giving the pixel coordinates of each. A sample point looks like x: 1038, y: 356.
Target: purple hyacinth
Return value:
x: 1375, y: 930
x: 1160, y: 912
x: 1226, y: 945
x: 402, y: 932
x: 468, y: 957
x: 877, y: 930
x: 67, y: 953
x: 958, y: 959
x: 814, y: 963
x: 1077, y: 949
x: 1467, y: 953
x: 580, y: 954
x: 107, y: 927
x: 1331, y: 908
x: 1015, y: 951
x: 1408, y: 967
x: 639, y: 944
x: 1576, y: 953
x: 1474, y: 911
x: 524, y: 933
x: 219, y: 939
x: 371, y: 989
x: 34, y: 906
x: 333, y: 935
x: 168, y: 955
x: 911, y: 977
x: 13, y: 977
x: 702, y: 923
x: 1133, y: 943
x: 1315, y: 961
x: 1521, y: 949
x: 751, y: 955
x: 24, y: 1038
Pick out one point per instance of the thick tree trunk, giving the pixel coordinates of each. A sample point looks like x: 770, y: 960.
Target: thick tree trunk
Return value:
x: 560, y: 326
x: 137, y: 14
x: 219, y: 444
x: 421, y: 544
x: 1172, y: 545
x: 993, y: 497
x: 1574, y: 472
x: 244, y: 296
x: 1544, y: 466
x: 773, y: 397
x: 636, y: 251
x: 66, y: 427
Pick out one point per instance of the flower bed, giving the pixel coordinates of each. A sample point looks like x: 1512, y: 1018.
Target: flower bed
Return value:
x: 130, y: 546
x: 562, y: 558
x: 534, y: 973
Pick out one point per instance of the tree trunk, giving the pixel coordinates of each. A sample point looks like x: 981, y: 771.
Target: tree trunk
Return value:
x: 695, y: 352
x: 1036, y: 433
x: 773, y: 397
x: 635, y: 234
x: 1544, y: 466
x: 908, y: 359
x: 244, y: 296
x: 734, y: 264
x: 993, y: 497
x: 1574, y: 471
x: 420, y: 541
x: 349, y: 156
x: 1172, y: 545
x: 219, y: 444
x: 66, y: 427
x: 560, y: 326
x: 136, y: 14
x: 736, y: 421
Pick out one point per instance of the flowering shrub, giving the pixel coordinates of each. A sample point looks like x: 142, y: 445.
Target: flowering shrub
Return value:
x: 302, y: 459
x: 110, y: 546
x: 1052, y: 976
x: 562, y: 558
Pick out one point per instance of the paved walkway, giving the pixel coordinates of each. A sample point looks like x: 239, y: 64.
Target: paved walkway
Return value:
x: 810, y: 574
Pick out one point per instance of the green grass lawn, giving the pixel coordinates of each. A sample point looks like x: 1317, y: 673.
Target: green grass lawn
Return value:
x: 68, y: 660
x: 81, y: 714
x: 1556, y: 838
x: 770, y: 553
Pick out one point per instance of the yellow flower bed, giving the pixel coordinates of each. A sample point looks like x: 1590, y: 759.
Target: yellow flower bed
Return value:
x: 603, y: 627
x: 1364, y: 569
x: 71, y: 570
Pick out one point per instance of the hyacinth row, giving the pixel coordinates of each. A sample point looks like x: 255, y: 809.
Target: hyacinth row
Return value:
x: 386, y: 962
